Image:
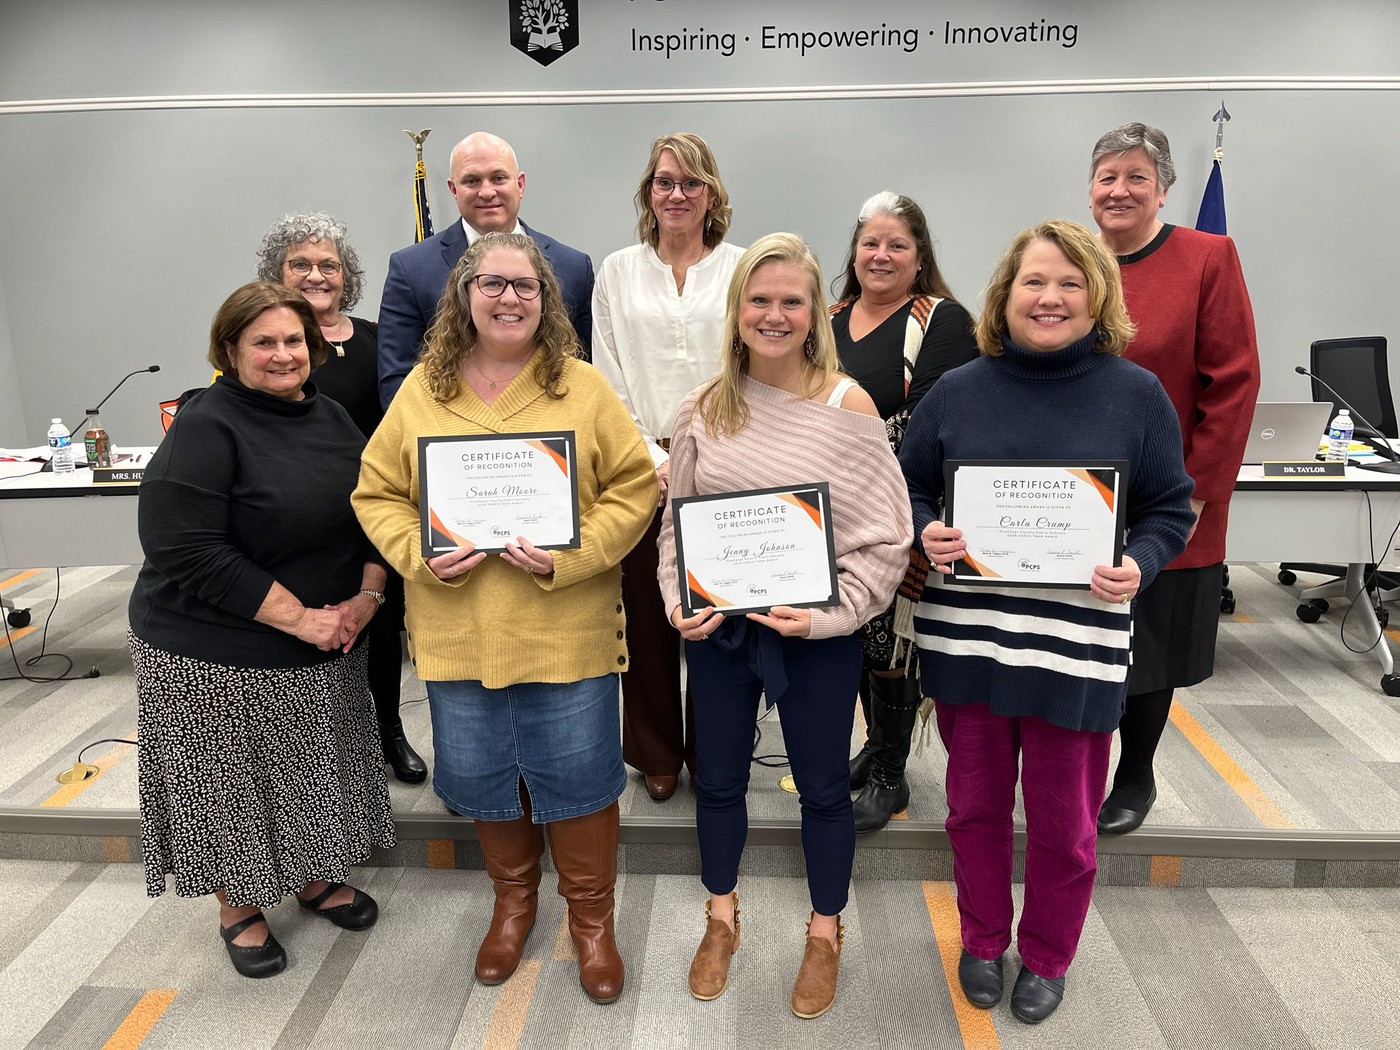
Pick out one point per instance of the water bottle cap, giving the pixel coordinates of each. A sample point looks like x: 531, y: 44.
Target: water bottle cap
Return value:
x: 90, y: 411
x: 55, y: 419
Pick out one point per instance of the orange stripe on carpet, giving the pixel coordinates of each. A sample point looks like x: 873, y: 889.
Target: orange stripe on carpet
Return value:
x: 1165, y: 871
x: 68, y: 792
x: 978, y: 1030
x: 508, y: 1019
x: 1239, y: 781
x: 14, y: 634
x: 441, y: 854
x: 563, y: 942
x: 149, y: 1009
x: 18, y: 578
x: 116, y: 849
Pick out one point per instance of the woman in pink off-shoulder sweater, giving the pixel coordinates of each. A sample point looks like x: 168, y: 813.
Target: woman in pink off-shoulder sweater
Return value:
x: 780, y: 414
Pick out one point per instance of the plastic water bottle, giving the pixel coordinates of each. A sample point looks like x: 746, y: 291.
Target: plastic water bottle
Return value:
x: 60, y: 448
x: 1339, y: 433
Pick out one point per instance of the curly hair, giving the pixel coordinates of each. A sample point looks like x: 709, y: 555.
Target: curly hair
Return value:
x: 292, y: 230
x: 927, y: 280
x: 453, y: 336
x: 244, y: 307
x: 721, y: 405
x: 1113, y: 329
x: 696, y: 162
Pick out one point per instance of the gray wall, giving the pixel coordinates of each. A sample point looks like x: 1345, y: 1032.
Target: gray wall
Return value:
x: 123, y: 225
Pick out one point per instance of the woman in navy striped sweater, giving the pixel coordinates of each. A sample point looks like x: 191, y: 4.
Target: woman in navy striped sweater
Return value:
x: 1032, y: 680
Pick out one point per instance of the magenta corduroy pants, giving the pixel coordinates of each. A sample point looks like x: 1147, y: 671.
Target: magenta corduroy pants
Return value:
x: 1062, y: 773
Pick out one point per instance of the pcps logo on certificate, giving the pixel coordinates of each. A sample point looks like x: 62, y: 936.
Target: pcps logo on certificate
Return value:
x: 544, y: 30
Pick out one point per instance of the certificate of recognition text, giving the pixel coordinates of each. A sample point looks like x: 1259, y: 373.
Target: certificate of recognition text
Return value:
x: 1042, y: 523
x: 488, y: 490
x: 743, y: 552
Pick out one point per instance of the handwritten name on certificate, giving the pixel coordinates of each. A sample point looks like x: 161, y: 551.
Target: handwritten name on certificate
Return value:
x: 1042, y: 523
x: 749, y: 551
x: 488, y: 489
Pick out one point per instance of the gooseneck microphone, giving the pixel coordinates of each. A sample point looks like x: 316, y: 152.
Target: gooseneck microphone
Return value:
x: 1381, y: 444
x: 93, y: 411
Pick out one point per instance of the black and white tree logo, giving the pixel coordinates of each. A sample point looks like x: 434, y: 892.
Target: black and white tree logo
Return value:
x: 544, y: 29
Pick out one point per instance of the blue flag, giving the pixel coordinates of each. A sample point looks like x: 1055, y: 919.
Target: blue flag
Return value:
x: 1212, y: 216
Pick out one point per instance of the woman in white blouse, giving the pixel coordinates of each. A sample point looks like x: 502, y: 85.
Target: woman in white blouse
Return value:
x: 658, y: 320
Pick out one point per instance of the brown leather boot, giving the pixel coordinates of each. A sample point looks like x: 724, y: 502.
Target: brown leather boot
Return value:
x: 815, y: 989
x: 585, y: 853
x: 709, y: 971
x: 512, y: 849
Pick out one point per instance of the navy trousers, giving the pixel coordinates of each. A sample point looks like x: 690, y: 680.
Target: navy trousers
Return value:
x: 814, y: 685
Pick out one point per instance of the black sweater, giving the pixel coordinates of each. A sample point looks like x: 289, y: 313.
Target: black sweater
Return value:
x: 247, y: 489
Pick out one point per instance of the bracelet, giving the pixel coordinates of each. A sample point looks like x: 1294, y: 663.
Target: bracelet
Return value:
x: 378, y: 596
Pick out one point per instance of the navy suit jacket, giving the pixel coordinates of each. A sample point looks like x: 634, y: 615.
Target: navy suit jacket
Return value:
x: 417, y: 276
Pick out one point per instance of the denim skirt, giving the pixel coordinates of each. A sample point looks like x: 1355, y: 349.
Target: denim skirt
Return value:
x: 564, y: 740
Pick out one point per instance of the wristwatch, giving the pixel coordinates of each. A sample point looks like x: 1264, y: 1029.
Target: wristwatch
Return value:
x: 378, y: 596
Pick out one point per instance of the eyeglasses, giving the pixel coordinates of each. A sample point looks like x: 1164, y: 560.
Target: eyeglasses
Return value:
x: 302, y: 267
x: 494, y: 286
x: 661, y: 186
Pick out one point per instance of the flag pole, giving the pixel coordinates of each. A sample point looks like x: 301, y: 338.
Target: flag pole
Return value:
x: 422, y: 219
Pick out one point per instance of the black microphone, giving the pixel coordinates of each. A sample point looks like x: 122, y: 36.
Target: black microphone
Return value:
x: 1381, y: 445
x: 77, y: 462
x: 93, y: 411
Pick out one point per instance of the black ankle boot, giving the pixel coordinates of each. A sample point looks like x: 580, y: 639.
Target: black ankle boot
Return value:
x: 407, y: 764
x: 894, y: 706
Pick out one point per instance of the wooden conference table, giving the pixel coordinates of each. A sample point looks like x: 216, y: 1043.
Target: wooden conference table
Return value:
x: 67, y: 520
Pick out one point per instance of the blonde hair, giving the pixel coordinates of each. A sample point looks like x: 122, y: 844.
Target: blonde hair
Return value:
x: 721, y: 405
x: 1113, y: 329
x: 697, y: 162
x: 453, y: 336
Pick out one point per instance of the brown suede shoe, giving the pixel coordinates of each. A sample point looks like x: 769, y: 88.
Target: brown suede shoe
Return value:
x: 709, y: 972
x: 815, y: 989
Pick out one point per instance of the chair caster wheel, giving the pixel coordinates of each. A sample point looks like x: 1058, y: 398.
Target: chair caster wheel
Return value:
x: 1287, y: 577
x: 1383, y: 617
x: 1227, y: 606
x: 1311, y: 612
x: 18, y: 618
x: 1390, y: 684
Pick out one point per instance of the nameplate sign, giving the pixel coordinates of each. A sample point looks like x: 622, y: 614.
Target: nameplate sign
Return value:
x: 1307, y: 469
x: 117, y: 475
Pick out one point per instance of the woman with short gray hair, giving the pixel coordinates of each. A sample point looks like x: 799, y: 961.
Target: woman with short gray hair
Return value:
x: 1195, y: 331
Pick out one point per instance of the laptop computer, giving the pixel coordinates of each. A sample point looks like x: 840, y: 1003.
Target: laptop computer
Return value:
x: 1286, y: 430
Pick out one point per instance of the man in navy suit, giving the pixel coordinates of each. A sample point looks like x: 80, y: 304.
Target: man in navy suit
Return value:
x: 487, y: 185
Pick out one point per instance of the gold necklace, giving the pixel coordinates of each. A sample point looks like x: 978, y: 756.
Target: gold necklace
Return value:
x: 493, y: 382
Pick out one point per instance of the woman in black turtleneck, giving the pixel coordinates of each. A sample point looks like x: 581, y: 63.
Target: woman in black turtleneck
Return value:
x: 260, y: 767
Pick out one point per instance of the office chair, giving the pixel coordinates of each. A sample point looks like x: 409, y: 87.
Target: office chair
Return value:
x: 1358, y: 370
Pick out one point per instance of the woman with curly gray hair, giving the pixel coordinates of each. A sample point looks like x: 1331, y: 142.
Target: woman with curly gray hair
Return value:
x: 311, y: 253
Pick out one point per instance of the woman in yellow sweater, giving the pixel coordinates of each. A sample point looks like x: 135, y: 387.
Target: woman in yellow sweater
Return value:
x: 520, y: 651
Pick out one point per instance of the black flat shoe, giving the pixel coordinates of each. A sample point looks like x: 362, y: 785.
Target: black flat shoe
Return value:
x: 982, y: 980
x: 1034, y: 998
x: 876, y: 803
x: 359, y: 914
x: 262, y: 960
x: 407, y: 764
x: 1118, y: 818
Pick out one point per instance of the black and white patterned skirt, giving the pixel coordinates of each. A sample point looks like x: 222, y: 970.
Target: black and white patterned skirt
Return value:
x: 256, y: 780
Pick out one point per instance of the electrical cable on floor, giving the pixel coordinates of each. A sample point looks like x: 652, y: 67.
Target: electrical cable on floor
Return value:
x: 767, y: 761
x: 62, y: 676
x: 1368, y: 585
x: 80, y: 770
